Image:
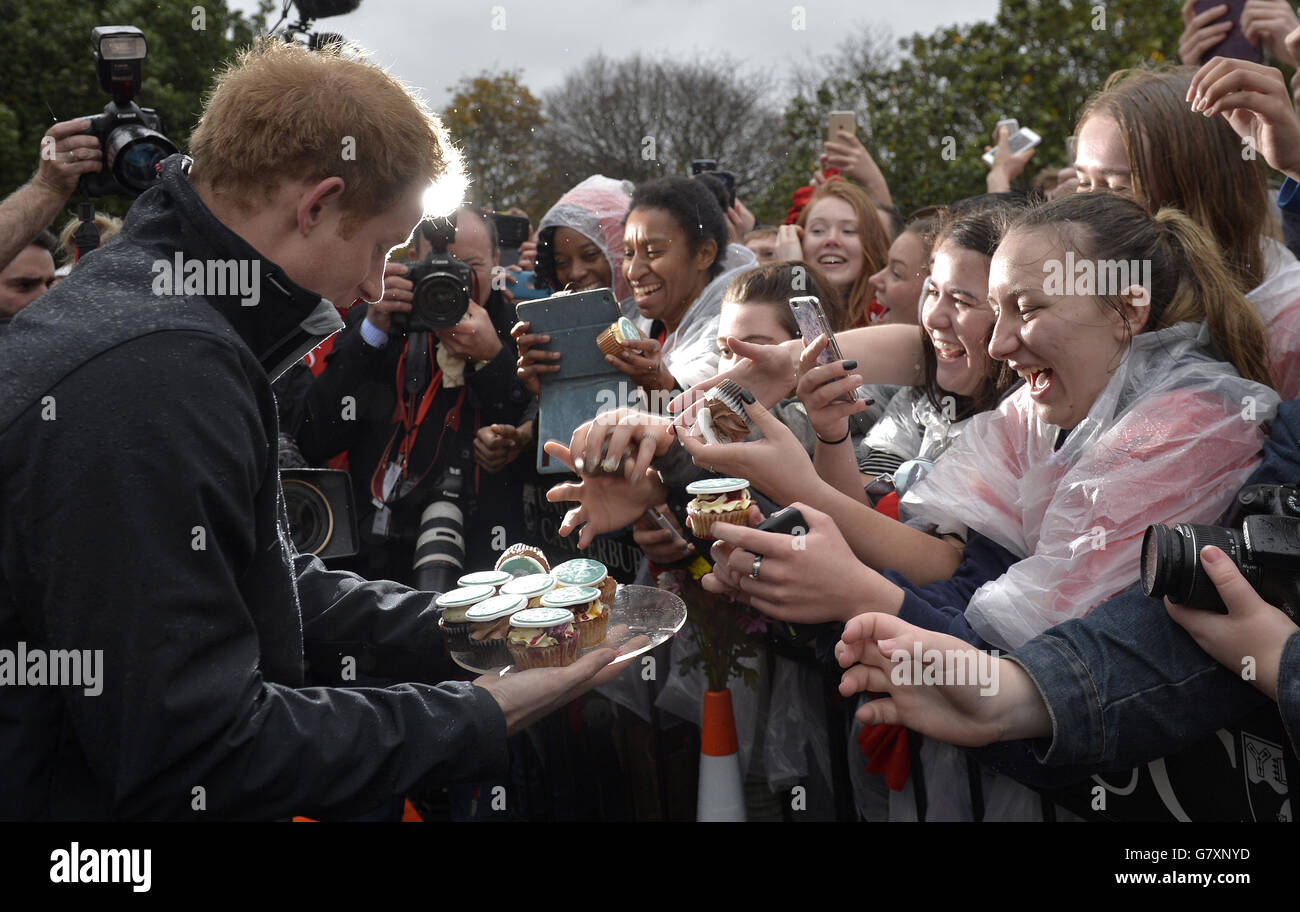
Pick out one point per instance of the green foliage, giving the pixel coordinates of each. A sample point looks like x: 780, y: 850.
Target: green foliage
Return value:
x: 1038, y: 61
x: 495, y: 119
x: 50, y: 67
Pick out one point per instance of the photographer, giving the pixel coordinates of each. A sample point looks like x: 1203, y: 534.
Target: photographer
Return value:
x: 144, y: 520
x: 426, y: 427
x: 65, y: 155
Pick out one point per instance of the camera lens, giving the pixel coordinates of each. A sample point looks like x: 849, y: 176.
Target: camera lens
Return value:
x: 440, y: 548
x: 311, y: 522
x: 134, y: 153
x: 439, y: 301
x: 1171, y: 562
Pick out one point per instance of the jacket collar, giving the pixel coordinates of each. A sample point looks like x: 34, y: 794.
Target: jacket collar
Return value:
x: 284, y: 321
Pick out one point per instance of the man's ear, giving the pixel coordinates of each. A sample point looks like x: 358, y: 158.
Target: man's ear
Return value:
x: 315, y: 202
x: 1137, y: 307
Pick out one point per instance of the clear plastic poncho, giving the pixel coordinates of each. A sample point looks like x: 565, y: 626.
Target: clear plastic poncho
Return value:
x: 1170, y: 439
x: 1277, y: 301
x: 691, y: 350
x: 596, y: 209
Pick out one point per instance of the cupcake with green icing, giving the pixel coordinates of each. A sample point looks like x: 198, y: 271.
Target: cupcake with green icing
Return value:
x: 583, y: 571
x: 494, y: 578
x: 523, y: 560
x: 590, y: 616
x: 531, y: 587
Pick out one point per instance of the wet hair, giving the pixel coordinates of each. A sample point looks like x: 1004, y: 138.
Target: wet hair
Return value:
x: 774, y: 284
x: 1190, y: 280
x: 976, y: 224
x: 1181, y: 159
x: 693, y: 208
x: 871, y: 235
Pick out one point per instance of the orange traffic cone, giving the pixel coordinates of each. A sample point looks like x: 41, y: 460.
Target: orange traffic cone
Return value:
x: 721, y: 796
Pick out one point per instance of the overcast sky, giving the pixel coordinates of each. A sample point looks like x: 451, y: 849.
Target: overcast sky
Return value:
x: 432, y: 44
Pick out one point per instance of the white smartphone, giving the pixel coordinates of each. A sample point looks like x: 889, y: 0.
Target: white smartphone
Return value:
x: 1022, y: 139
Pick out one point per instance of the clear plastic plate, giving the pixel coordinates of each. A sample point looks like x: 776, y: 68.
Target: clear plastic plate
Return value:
x: 639, y: 612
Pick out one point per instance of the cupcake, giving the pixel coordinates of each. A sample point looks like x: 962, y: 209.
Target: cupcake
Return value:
x: 494, y: 578
x: 717, y: 500
x: 542, y: 638
x: 622, y: 330
x: 522, y: 560
x: 489, y: 625
x: 590, y: 616
x: 454, y: 604
x: 531, y: 587
x: 583, y: 571
x: 724, y: 419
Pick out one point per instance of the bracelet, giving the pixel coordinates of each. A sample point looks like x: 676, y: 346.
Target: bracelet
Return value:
x: 832, y: 442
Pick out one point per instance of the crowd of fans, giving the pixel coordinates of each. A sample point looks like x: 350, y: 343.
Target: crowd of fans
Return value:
x: 984, y: 496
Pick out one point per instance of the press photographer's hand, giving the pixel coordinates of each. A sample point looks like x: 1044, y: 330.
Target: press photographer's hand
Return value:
x: 396, y: 299
x: 70, y: 155
x: 1252, y: 633
x: 474, y: 338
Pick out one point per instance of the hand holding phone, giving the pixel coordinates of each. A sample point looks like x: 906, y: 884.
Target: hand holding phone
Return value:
x: 812, y: 322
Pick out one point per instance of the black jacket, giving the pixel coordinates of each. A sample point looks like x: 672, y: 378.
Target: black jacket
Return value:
x: 141, y: 517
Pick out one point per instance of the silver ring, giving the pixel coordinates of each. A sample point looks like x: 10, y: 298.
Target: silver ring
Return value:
x: 753, y: 571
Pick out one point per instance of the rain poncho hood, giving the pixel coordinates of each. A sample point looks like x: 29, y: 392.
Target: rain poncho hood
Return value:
x: 691, y: 350
x: 595, y: 209
x: 1277, y: 300
x: 1171, y: 438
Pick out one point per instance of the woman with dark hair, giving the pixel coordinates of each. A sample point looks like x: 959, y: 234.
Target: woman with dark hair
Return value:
x: 678, y: 262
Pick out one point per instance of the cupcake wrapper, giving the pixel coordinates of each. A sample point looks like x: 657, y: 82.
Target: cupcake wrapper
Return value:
x: 728, y: 393
x: 490, y: 653
x: 592, y: 632
x: 557, y: 656
x: 607, y: 588
x: 608, y: 343
x: 456, y: 636
x: 701, y: 523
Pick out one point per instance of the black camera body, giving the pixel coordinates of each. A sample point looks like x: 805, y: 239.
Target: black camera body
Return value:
x: 443, y: 285
x: 1265, y: 546
x: 709, y: 166
x: 131, y: 138
x: 322, y: 518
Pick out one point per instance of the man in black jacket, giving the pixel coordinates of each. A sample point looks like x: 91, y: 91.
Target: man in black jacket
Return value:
x: 142, y: 517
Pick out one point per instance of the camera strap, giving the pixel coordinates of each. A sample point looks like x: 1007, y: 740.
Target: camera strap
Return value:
x: 409, y: 415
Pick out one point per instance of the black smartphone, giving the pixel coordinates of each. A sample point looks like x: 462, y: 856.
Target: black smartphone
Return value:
x: 787, y: 521
x: 512, y: 232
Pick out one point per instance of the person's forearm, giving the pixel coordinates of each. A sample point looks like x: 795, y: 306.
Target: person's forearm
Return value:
x: 23, y: 214
x: 885, y: 354
x: 886, y: 544
x: 838, y: 468
x: 873, y: 180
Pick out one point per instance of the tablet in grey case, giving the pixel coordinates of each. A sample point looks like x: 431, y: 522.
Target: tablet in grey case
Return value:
x: 586, y: 383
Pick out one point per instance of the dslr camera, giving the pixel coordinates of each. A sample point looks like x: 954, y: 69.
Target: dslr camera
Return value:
x: 131, y: 138
x: 1262, y: 539
x: 443, y: 285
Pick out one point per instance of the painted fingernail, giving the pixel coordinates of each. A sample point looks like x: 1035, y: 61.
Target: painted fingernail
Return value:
x: 579, y: 465
x: 850, y: 365
x: 746, y: 396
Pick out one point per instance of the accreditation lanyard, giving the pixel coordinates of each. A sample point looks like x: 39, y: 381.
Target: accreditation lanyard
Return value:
x: 411, y: 414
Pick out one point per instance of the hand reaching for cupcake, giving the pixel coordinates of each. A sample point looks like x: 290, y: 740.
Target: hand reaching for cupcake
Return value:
x: 777, y: 465
x: 767, y: 371
x: 809, y: 579
x: 605, y: 502
x: 620, y: 440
